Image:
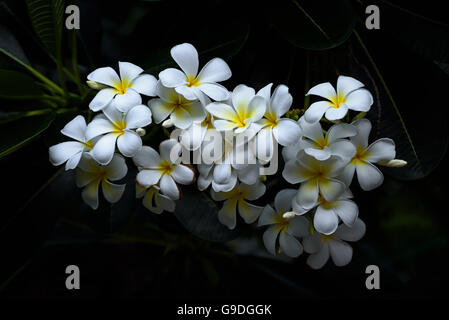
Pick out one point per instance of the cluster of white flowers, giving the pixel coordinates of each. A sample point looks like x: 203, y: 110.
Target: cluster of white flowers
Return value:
x: 320, y: 213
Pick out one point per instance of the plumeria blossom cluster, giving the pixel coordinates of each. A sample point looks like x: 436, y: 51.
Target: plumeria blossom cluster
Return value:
x: 233, y: 137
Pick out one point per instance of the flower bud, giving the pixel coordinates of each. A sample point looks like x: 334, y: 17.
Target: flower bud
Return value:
x: 395, y: 163
x: 167, y: 123
x: 141, y: 132
x: 289, y: 215
x: 95, y: 85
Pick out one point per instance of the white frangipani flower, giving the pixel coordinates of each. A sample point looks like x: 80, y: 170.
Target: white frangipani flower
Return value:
x: 182, y: 112
x: 368, y: 175
x: 246, y: 110
x: 236, y: 198
x: 90, y: 175
x: 349, y: 96
x: 116, y: 126
x: 316, y: 177
x: 153, y: 200
x: 285, y: 131
x: 322, y: 246
x: 191, y: 84
x: 164, y: 168
x: 71, y: 151
x: 122, y: 92
x: 283, y: 224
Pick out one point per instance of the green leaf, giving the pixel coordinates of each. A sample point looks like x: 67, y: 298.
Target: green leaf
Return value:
x: 16, y: 134
x: 16, y: 85
x: 317, y: 25
x: 47, y: 17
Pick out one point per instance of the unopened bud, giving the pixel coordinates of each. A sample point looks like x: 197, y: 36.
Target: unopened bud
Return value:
x: 289, y: 215
x: 95, y: 85
x: 395, y: 163
x: 167, y: 123
x: 141, y: 132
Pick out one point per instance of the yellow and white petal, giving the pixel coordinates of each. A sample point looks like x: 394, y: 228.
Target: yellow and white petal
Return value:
x: 307, y: 195
x: 83, y: 178
x: 76, y: 129
x: 129, y: 143
x: 160, y: 109
x: 145, y: 84
x: 214, y: 91
x: 97, y: 127
x: 116, y: 169
x: 347, y: 210
x: 343, y: 148
x: 294, y: 172
x: 105, y: 75
x: 148, y: 177
x: 359, y: 100
x: 73, y: 161
x: 333, y: 114
x: 325, y: 220
x: 287, y: 132
x: 281, y: 100
x: 190, y: 93
x: 255, y: 110
x: 381, y: 150
x: 181, y: 118
x: 316, y: 110
x: 248, y: 211
x: 318, y: 260
x: 170, y: 150
x: 340, y: 131
x: 63, y: 151
x: 364, y: 128
x: 165, y: 203
x: 183, y: 174
x: 312, y: 243
x: 90, y: 194
x: 196, y: 111
x: 227, y: 214
x: 124, y: 102
x: 340, y: 251
x: 325, y: 90
x: 252, y: 192
x: 267, y: 216
x: 299, y: 227
x: 172, y: 78
x: 345, y: 85
x: 283, y: 200
x: 102, y: 99
x: 138, y: 117
x: 242, y: 95
x: 369, y: 176
x: 222, y: 111
x: 128, y: 71
x: 147, y: 158
x: 186, y: 57
x: 269, y: 239
x: 354, y: 233
x: 216, y: 70
x: 103, y: 150
x: 331, y: 189
x: 290, y: 245
x: 88, y: 164
x: 111, y: 191
x: 169, y: 187
x: 224, y: 125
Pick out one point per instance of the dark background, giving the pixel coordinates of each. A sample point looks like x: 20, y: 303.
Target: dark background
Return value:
x: 124, y: 251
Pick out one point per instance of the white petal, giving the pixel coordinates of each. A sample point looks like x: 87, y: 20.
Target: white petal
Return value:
x: 147, y: 157
x: 145, y: 84
x: 183, y: 174
x: 103, y: 150
x: 299, y: 227
x: 112, y: 114
x: 148, y: 178
x: 249, y: 174
x: 63, y: 151
x: 90, y: 194
x: 290, y: 245
x: 319, y: 154
x: 354, y: 233
x: 336, y: 113
x: 369, y: 176
x: 248, y: 211
x: 307, y: 195
x: 129, y: 143
x: 346, y: 85
x: 76, y: 129
x: 222, y: 173
x: 381, y: 150
x: 214, y: 91
x: 170, y: 188
x: 149, y: 201
x: 294, y: 173
x: 364, y: 128
x: 340, y: 251
x: 253, y: 192
x: 160, y: 109
x: 137, y: 117
x: 105, y: 75
x: 242, y: 95
x: 102, y: 99
x: 315, y: 111
x: 189, y: 93
x: 313, y: 131
x: 186, y: 57
x: 318, y: 260
x: 112, y: 192
x: 290, y: 152
x: 224, y: 125
x: 72, y: 163
x: 347, y: 174
x: 283, y: 200
x: 325, y: 90
x: 325, y: 220
x: 227, y: 214
x: 165, y: 203
x: 196, y: 111
x: 192, y: 137
x: 216, y: 70
x: 343, y: 148
x: 312, y: 243
x: 267, y: 216
x: 124, y: 102
x: 265, y: 144
x: 287, y: 132
x: 265, y: 92
x: 269, y: 239
x: 297, y: 208
x: 116, y: 169
x: 204, y: 182
x: 172, y: 78
x: 347, y: 210
x: 341, y: 130
x: 83, y: 178
x: 331, y: 189
x: 128, y: 71
x: 256, y: 108
x: 228, y: 186
x: 170, y: 150
x: 181, y: 118
x: 281, y: 100
x: 359, y: 100
x: 221, y: 110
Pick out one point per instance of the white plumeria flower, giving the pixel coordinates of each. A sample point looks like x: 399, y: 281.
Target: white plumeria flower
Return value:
x: 328, y: 214
x: 316, y: 177
x: 90, y: 175
x: 323, y: 146
x: 164, y: 168
x: 349, y: 96
x: 368, y: 175
x: 236, y: 198
x: 115, y: 126
x: 191, y: 84
x: 182, y: 112
x: 123, y: 92
x: 245, y: 111
x: 283, y: 130
x: 71, y: 151
x: 286, y: 228
x: 290, y: 152
x: 322, y: 246
x: 153, y: 200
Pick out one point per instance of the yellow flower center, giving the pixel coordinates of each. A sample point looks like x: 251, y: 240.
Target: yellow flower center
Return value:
x: 272, y: 119
x: 337, y: 100
x: 207, y: 122
x: 281, y: 223
x: 326, y: 237
x: 192, y: 81
x: 119, y: 127
x: 361, y: 155
x: 122, y: 86
x: 321, y: 143
x: 165, y: 167
x: 89, y: 145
